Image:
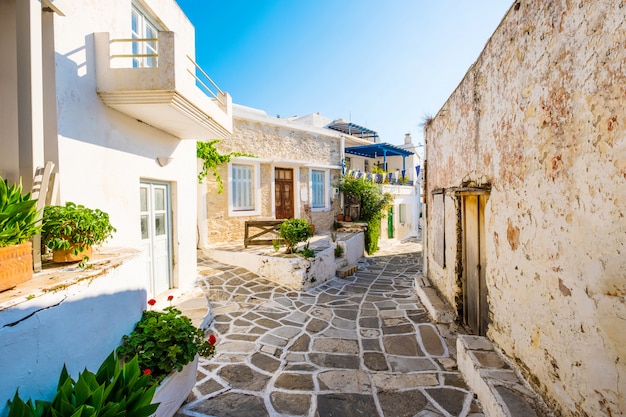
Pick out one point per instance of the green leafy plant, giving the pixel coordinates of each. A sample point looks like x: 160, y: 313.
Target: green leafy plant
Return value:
x: 373, y: 206
x: 294, y: 231
x: 276, y: 244
x: 18, y: 215
x: 338, y: 251
x: 117, y: 389
x: 165, y: 341
x: 307, y: 252
x: 75, y: 227
x: 211, y: 159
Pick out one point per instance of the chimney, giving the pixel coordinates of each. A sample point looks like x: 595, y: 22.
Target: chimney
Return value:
x: 407, y: 139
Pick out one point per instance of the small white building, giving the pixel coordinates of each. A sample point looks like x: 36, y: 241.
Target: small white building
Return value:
x: 108, y: 92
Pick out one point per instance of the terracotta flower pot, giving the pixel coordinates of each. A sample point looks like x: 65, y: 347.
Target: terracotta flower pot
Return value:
x: 340, y: 217
x: 16, y: 265
x: 68, y: 256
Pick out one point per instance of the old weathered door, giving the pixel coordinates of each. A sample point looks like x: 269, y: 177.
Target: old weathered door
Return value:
x: 284, y: 193
x: 475, y: 302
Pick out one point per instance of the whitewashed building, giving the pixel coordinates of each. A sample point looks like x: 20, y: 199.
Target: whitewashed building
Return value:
x: 106, y: 91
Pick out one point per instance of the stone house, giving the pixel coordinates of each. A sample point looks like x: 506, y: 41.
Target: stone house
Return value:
x: 525, y: 199
x: 296, y: 162
x: 105, y: 91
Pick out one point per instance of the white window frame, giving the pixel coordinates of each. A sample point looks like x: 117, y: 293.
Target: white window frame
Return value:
x: 145, y: 22
x: 255, y: 209
x: 326, y: 180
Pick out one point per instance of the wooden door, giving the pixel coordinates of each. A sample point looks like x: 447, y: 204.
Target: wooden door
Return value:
x: 475, y: 301
x: 284, y: 193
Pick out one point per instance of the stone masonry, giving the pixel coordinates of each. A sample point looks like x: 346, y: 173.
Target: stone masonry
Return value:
x: 539, y: 120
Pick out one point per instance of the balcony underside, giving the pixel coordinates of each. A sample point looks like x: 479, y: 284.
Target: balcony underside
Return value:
x: 168, y: 111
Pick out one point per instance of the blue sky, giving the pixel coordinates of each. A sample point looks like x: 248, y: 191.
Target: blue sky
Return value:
x: 383, y: 64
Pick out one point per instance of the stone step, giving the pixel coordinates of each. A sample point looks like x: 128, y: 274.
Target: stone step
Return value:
x: 346, y: 271
x: 499, y: 387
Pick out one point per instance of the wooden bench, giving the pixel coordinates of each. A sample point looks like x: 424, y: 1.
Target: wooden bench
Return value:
x: 265, y: 227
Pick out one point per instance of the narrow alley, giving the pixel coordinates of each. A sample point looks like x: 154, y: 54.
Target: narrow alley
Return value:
x: 360, y: 346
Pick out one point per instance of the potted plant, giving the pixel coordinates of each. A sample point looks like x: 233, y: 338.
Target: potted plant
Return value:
x: 70, y: 231
x: 294, y: 231
x: 167, y: 346
x: 18, y: 223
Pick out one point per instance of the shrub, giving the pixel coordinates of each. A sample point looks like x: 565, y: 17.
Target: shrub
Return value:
x: 164, y: 341
x: 294, y: 231
x: 373, y: 205
x: 338, y: 251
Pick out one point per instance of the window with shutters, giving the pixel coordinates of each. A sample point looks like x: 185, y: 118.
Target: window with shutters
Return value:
x: 243, y: 189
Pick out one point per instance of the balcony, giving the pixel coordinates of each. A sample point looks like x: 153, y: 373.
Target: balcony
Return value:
x: 164, y: 88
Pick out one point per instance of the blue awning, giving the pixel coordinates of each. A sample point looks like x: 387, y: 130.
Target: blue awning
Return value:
x: 378, y: 150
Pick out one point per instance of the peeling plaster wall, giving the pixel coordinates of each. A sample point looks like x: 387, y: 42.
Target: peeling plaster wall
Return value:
x: 78, y: 325
x: 540, y: 116
x: 275, y: 144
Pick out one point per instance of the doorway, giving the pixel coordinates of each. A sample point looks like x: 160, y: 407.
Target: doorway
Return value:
x: 390, y: 223
x: 156, y: 234
x: 475, y: 300
x: 284, y: 193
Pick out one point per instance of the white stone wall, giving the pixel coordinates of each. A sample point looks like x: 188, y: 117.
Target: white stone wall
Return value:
x: 78, y: 325
x: 540, y: 117
x: 275, y: 143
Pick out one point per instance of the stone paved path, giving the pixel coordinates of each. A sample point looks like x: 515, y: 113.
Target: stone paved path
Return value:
x: 361, y: 346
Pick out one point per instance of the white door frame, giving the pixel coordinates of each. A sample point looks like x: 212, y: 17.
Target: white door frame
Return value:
x: 156, y: 234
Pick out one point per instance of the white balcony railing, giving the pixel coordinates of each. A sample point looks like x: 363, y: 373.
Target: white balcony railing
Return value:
x: 154, y: 81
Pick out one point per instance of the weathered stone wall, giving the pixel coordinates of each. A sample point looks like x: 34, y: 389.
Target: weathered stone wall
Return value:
x: 275, y: 144
x: 540, y: 116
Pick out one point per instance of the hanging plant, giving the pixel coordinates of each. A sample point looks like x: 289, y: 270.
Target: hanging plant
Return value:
x: 211, y: 159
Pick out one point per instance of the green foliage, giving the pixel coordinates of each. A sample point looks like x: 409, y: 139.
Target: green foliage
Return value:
x: 338, y: 251
x: 373, y: 203
x: 116, y: 390
x: 307, y: 252
x: 211, y: 159
x: 372, y: 235
x: 276, y: 244
x: 74, y: 225
x: 164, y: 341
x: 18, y: 215
x: 294, y: 231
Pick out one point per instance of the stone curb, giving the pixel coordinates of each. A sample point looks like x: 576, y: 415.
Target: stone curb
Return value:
x: 494, y: 380
x: 439, y: 310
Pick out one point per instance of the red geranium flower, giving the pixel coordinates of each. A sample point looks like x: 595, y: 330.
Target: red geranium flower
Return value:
x: 151, y: 301
x: 147, y: 372
x: 170, y: 297
x: 212, y: 340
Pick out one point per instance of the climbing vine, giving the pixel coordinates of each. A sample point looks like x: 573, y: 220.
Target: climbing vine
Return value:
x: 211, y: 159
x: 373, y: 203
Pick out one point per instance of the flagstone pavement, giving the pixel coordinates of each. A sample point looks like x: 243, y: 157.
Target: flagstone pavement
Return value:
x: 358, y: 346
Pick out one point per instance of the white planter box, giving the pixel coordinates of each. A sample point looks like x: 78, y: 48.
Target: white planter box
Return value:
x: 174, y: 389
